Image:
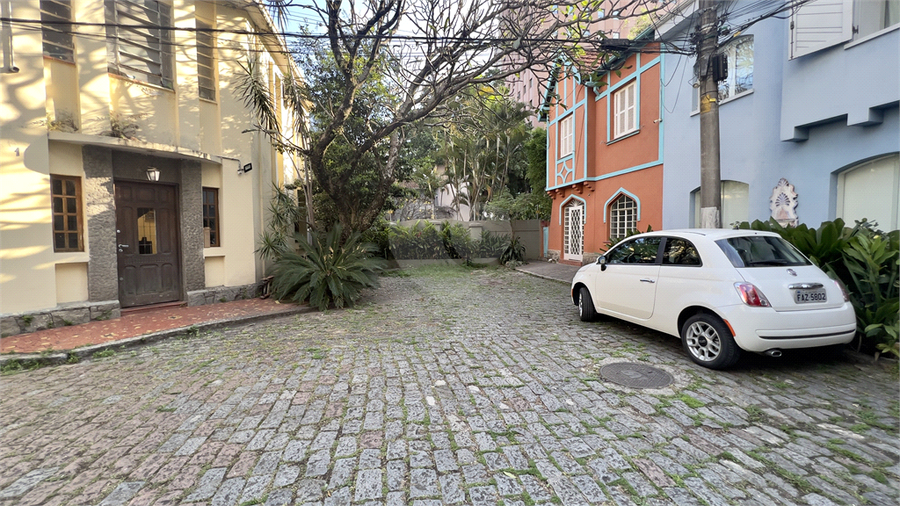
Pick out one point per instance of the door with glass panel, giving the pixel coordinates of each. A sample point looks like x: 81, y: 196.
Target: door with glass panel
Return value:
x: 147, y: 243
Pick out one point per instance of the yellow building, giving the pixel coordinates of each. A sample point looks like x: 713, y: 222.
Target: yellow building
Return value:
x: 131, y: 173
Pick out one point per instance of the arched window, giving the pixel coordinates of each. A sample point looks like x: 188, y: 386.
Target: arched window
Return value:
x: 871, y: 190
x: 573, y: 230
x: 622, y: 217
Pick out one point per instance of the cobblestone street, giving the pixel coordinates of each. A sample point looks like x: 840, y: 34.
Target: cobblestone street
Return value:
x: 447, y: 386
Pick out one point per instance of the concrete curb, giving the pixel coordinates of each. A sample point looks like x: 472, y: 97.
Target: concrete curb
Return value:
x: 29, y: 360
x: 542, y: 276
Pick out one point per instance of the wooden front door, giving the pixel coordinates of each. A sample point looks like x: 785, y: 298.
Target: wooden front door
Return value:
x: 148, y: 246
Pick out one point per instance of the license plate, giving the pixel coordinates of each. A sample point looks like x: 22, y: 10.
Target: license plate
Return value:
x: 807, y: 296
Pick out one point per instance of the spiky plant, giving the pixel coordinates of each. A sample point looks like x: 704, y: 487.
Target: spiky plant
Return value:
x: 326, y: 272
x: 514, y: 252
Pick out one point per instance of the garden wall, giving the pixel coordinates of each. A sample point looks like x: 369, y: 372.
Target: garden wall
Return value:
x: 528, y: 231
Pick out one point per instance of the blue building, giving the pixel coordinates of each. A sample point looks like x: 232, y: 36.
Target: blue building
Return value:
x: 809, y: 122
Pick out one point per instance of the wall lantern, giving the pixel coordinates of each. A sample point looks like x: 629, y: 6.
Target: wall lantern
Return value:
x: 152, y: 174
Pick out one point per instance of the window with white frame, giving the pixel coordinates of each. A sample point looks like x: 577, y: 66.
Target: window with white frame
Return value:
x: 566, y: 136
x: 206, y: 75
x: 625, y: 107
x: 871, y: 190
x: 739, y: 53
x: 876, y: 15
x: 821, y: 24
x: 622, y: 217
x: 138, y: 45
x: 56, y: 30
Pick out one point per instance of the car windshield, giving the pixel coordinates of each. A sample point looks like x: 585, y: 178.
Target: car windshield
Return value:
x: 761, y: 251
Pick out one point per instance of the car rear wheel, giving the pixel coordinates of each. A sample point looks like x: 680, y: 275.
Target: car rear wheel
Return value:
x: 708, y: 342
x: 586, y: 305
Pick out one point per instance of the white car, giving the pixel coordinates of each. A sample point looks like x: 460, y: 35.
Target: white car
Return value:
x: 721, y: 291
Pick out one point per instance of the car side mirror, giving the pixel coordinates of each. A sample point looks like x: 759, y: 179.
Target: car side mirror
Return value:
x: 602, y: 262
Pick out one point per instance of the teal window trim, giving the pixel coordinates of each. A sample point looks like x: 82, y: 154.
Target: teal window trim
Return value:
x: 584, y: 136
x: 615, y: 195
x: 571, y: 153
x: 659, y: 159
x: 565, y: 202
x: 547, y: 171
x: 563, y: 169
x: 611, y: 174
x: 641, y: 69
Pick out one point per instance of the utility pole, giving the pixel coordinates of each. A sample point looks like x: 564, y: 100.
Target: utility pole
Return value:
x: 710, y: 171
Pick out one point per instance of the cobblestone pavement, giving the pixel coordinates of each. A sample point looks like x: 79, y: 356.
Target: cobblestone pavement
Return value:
x: 447, y: 387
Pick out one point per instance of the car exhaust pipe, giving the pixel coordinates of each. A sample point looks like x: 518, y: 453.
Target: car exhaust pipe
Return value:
x: 774, y: 352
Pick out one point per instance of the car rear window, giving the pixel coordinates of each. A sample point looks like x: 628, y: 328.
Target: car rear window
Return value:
x: 761, y: 251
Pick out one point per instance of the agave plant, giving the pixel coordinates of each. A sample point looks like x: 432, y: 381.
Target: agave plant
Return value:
x: 327, y: 272
x: 514, y: 252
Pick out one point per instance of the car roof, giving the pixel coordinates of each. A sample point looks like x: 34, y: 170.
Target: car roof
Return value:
x: 713, y: 234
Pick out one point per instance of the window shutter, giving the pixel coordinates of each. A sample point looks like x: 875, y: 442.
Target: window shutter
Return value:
x: 820, y: 24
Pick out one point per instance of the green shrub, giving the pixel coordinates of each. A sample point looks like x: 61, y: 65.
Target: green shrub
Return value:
x: 452, y: 240
x: 616, y: 240
x: 326, y: 272
x: 872, y: 262
x: 379, y: 234
x: 418, y: 242
x: 492, y: 245
x: 456, y: 240
x: 866, y: 261
x: 284, y: 217
x: 514, y: 251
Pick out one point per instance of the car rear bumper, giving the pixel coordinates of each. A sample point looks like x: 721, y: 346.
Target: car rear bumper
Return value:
x: 761, y: 329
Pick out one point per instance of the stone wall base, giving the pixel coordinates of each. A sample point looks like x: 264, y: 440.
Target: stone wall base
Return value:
x: 61, y: 316
x: 222, y: 294
x: 83, y: 312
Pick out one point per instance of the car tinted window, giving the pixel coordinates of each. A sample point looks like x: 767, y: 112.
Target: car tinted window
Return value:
x: 761, y: 251
x: 680, y: 252
x: 636, y: 251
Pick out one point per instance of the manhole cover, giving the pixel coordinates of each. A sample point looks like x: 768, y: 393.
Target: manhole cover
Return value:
x: 636, y: 375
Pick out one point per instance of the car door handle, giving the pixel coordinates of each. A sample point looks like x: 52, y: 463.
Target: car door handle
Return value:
x: 646, y: 280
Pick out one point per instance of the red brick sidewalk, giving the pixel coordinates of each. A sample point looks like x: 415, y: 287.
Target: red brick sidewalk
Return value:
x: 140, y: 323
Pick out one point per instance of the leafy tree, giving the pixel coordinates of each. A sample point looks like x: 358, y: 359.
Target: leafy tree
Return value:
x: 536, y: 172
x: 364, y: 54
x: 484, y: 147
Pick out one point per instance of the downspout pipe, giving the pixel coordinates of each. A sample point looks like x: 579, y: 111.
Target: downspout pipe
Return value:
x: 6, y: 38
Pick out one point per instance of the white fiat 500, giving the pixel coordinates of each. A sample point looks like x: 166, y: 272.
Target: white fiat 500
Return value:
x: 721, y: 291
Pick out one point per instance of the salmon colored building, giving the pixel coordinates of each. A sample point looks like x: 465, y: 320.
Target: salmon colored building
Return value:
x: 604, y: 153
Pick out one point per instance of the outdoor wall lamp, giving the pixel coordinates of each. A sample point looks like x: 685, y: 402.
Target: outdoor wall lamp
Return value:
x: 152, y: 174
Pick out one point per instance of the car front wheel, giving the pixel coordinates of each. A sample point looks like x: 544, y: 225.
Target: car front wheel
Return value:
x: 708, y: 342
x: 586, y: 309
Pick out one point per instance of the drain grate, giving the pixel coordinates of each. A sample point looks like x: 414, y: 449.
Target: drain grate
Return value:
x: 636, y: 375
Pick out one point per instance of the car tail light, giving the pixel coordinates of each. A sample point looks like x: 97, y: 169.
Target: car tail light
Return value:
x: 751, y: 295
x: 843, y: 290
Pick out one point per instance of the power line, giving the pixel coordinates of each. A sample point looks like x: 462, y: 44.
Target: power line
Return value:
x: 603, y: 42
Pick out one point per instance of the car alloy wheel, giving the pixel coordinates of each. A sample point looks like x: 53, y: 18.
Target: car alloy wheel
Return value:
x: 703, y: 341
x: 708, y: 341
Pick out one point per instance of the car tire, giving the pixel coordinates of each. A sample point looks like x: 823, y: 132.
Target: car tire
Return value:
x: 586, y: 310
x: 708, y: 341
